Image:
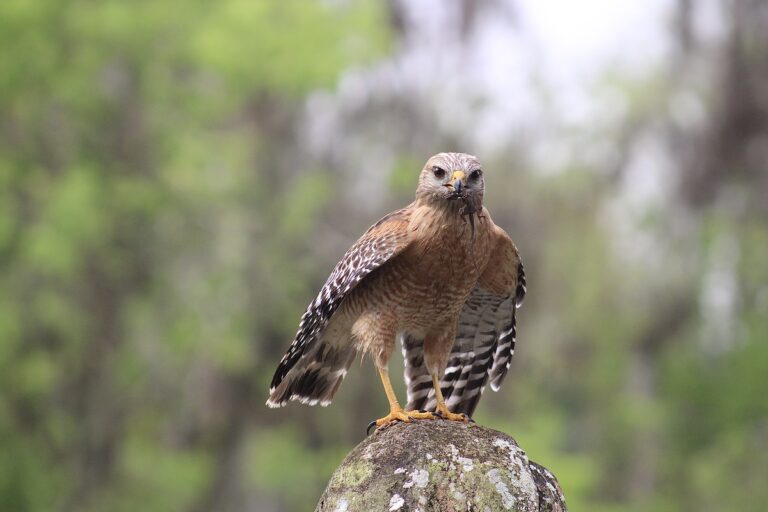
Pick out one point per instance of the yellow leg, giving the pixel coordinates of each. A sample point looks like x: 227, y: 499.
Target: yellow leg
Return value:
x: 396, y: 412
x: 442, y: 409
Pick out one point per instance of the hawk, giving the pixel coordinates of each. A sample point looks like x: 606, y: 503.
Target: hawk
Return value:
x: 437, y: 274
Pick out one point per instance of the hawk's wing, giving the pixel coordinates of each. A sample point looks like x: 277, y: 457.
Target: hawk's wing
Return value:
x: 311, y: 370
x: 485, y: 337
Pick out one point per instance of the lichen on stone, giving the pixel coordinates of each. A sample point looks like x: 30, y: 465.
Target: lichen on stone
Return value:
x: 396, y: 502
x: 507, y: 498
x: 342, y: 505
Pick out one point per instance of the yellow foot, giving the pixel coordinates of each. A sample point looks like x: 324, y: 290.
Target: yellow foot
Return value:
x: 401, y: 415
x: 405, y: 416
x: 444, y: 413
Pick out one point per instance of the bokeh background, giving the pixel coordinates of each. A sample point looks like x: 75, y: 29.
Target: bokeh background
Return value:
x: 177, y: 179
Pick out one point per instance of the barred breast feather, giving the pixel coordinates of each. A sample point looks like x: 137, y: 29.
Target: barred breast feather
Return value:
x: 485, y: 337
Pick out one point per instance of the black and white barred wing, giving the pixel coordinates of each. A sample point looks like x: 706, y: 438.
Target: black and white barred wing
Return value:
x: 485, y: 338
x: 485, y: 341
x: 312, y: 370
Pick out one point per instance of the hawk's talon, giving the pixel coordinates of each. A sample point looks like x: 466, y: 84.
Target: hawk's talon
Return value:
x: 424, y: 415
x: 445, y: 414
x: 400, y: 415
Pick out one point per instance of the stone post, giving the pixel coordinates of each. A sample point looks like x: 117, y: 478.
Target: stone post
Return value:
x: 436, y: 465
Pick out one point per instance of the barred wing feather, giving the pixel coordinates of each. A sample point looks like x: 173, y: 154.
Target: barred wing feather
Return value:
x: 483, y: 348
x: 311, y: 370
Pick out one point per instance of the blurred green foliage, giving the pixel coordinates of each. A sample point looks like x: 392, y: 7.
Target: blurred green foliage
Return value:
x: 136, y: 185
x: 161, y: 232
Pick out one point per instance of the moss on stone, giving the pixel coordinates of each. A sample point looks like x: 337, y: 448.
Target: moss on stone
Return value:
x: 353, y: 474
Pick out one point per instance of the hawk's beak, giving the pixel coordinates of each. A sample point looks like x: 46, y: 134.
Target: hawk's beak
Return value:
x: 457, y: 180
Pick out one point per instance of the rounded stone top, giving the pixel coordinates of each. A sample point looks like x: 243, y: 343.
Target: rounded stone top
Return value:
x: 434, y: 465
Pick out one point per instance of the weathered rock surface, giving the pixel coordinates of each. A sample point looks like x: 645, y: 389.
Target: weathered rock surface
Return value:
x: 440, y: 466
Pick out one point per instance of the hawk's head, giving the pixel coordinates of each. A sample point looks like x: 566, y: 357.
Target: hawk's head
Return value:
x: 451, y: 176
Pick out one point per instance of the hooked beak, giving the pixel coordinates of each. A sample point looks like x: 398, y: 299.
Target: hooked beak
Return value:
x: 457, y: 180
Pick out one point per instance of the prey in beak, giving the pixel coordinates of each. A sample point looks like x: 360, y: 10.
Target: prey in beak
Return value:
x: 460, y: 192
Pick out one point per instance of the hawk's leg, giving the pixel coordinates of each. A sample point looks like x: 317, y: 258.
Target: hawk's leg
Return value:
x: 442, y: 409
x: 396, y: 412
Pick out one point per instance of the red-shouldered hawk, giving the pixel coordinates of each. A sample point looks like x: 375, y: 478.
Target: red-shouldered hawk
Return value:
x: 438, y: 274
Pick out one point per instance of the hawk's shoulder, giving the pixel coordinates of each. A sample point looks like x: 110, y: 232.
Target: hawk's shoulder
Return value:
x: 504, y: 275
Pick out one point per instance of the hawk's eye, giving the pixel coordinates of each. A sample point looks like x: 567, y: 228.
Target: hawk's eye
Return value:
x: 439, y: 172
x: 475, y: 175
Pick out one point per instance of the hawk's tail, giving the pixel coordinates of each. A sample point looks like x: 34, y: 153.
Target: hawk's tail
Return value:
x: 312, y: 378
x: 461, y: 385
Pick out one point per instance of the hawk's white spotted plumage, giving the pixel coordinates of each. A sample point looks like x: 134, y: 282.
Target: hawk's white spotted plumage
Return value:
x: 367, y: 254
